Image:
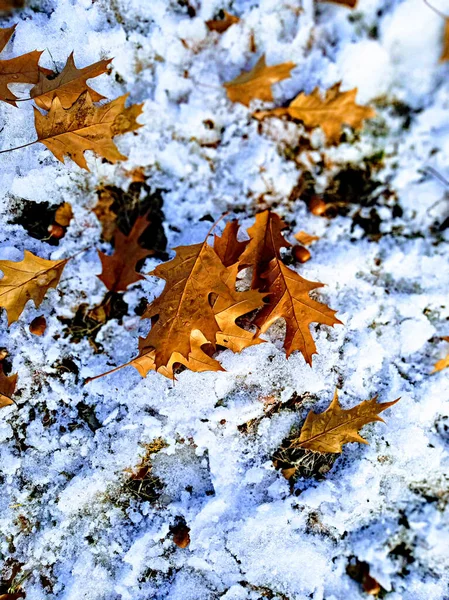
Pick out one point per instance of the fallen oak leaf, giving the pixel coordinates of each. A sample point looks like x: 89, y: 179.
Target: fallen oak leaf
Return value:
x: 287, y: 292
x: 223, y: 23
x: 38, y: 326
x: 257, y: 83
x: 21, y: 69
x: 328, y: 431
x: 28, y: 279
x: 83, y: 126
x: 64, y: 214
x: 119, y: 269
x: 227, y: 246
x: 330, y: 113
x: 68, y: 85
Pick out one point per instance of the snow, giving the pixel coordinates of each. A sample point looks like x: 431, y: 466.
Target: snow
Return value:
x: 67, y: 514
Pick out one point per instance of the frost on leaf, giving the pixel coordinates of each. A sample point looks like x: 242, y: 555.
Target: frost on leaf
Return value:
x: 68, y: 85
x: 330, y: 113
x: 29, y: 279
x: 329, y: 430
x: 257, y: 83
x: 84, y: 126
x: 22, y: 69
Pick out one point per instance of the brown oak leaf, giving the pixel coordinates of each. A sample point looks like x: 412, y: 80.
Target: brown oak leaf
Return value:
x: 68, y: 85
x: 84, y: 126
x: 119, y: 269
x: 28, y: 279
x: 227, y: 245
x: 329, y: 430
x: 38, y: 326
x: 257, y: 82
x: 330, y: 113
x: 287, y: 292
x: 195, y: 278
x: 21, y: 69
x: 222, y: 24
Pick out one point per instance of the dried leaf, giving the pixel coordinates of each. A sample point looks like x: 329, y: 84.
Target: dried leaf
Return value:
x: 348, y: 3
x: 305, y: 238
x: 22, y: 69
x: 64, y: 214
x: 287, y: 292
x: 28, y: 279
x: 223, y: 24
x: 83, y: 126
x: 257, y: 82
x: 445, y: 51
x: 330, y: 113
x: 185, y: 306
x: 181, y: 535
x: 227, y: 246
x: 68, y: 85
x: 105, y: 215
x: 119, y: 269
x: 444, y: 362
x: 8, y: 385
x: 38, y: 326
x: 329, y: 430
x: 8, y: 5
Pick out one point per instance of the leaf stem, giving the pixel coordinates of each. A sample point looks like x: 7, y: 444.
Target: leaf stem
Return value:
x: 19, y: 147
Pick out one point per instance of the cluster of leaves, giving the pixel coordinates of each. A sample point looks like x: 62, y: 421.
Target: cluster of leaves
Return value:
x: 72, y: 121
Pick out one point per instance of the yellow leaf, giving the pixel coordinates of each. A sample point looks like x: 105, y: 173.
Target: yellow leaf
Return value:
x: 330, y: 113
x: 83, y: 126
x: 26, y: 280
x: 257, y: 82
x: 329, y: 430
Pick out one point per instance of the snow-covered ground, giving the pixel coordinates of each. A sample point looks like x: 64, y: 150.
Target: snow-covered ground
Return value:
x: 72, y: 523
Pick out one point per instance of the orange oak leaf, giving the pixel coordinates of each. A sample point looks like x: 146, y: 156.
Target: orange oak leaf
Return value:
x: 257, y: 82
x: 330, y: 113
x: 119, y: 269
x: 84, y: 126
x: 7, y: 387
x: 223, y: 23
x: 22, y: 69
x: 195, y: 278
x: 329, y: 430
x: 28, y: 279
x: 287, y: 292
x: 227, y: 245
x: 68, y: 85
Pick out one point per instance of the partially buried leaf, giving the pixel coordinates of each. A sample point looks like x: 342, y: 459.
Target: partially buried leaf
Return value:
x: 329, y: 430
x: 257, y: 82
x: 83, y: 126
x: 22, y: 69
x: 330, y: 113
x: 68, y: 85
x: 443, y: 363
x: 28, y: 279
x: 105, y: 214
x: 181, y: 535
x: 119, y: 270
x: 64, y: 214
x: 305, y: 238
x: 445, y: 52
x: 7, y: 5
x: 222, y: 24
x: 348, y: 3
x: 7, y: 387
x: 38, y: 326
